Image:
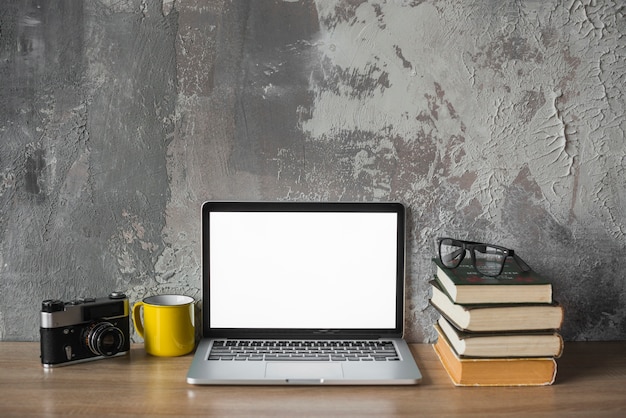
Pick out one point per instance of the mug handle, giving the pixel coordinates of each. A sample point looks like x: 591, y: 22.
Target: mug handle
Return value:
x: 137, y: 318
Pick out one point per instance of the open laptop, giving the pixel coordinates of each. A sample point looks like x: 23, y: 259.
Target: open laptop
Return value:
x: 303, y: 293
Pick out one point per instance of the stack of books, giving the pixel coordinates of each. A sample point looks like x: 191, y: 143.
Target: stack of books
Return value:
x: 499, y: 331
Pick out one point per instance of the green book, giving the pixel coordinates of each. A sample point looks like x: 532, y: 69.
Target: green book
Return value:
x: 465, y: 285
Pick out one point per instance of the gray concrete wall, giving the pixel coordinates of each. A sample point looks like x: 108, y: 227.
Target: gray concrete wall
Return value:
x: 492, y: 120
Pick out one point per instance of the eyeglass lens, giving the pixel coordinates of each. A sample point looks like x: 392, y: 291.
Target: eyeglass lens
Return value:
x: 451, y: 252
x: 488, y: 260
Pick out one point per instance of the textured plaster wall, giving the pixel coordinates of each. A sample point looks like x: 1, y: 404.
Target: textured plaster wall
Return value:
x: 491, y: 120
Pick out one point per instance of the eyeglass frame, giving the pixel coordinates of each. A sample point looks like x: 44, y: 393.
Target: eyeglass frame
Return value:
x: 470, y: 245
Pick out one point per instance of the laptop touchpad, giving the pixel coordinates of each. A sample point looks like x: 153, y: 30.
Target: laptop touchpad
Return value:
x: 299, y: 371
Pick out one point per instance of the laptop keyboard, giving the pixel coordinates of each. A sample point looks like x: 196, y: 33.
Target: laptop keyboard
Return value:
x: 284, y: 350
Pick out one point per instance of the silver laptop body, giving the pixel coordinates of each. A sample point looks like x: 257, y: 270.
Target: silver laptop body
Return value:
x: 321, y: 281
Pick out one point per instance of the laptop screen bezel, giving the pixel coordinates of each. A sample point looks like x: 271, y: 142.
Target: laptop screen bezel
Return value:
x: 359, y: 207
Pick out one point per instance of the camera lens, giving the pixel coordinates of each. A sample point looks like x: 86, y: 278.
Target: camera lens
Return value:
x: 104, y: 339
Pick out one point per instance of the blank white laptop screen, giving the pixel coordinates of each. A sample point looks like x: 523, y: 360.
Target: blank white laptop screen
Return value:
x: 305, y: 270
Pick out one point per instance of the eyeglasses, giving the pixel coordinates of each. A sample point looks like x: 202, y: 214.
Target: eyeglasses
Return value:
x: 488, y: 259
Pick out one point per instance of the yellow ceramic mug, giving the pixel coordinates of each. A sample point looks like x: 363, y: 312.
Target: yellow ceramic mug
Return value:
x: 168, y: 324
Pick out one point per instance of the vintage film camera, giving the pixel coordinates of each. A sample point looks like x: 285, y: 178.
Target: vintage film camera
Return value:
x: 84, y: 329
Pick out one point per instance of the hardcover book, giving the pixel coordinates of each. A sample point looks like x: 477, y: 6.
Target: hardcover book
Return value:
x: 494, y: 371
x: 502, y: 344
x: 496, y: 316
x: 465, y: 285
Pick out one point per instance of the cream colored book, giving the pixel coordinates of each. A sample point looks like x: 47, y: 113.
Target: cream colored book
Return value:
x: 480, y: 344
x: 497, y: 317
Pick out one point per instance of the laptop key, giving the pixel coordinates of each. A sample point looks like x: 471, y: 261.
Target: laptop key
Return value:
x: 289, y: 358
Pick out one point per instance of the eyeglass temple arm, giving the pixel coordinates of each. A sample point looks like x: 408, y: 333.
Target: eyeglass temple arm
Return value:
x: 521, y: 263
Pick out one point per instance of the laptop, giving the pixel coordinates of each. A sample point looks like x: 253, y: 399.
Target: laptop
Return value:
x: 303, y: 293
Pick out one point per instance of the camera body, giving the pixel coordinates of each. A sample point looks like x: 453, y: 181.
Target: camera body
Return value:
x: 84, y: 329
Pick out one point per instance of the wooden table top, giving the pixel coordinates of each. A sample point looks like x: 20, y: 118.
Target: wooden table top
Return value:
x: 591, y: 381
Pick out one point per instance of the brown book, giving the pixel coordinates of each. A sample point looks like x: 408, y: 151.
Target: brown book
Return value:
x: 494, y: 371
x: 502, y: 344
x: 465, y: 285
x: 496, y: 317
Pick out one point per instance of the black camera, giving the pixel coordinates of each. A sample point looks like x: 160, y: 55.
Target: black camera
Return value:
x: 84, y: 329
